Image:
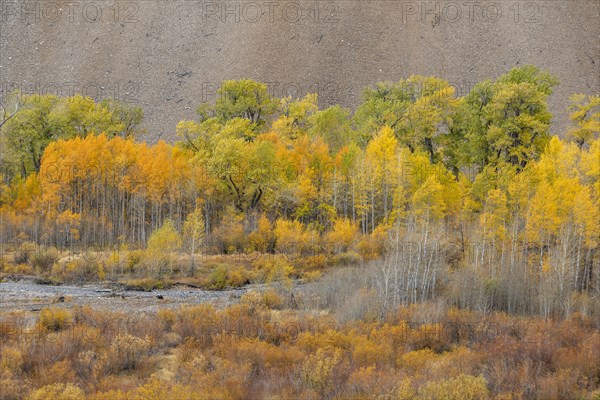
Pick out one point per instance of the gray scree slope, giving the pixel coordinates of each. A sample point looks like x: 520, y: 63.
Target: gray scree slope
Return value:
x: 168, y: 56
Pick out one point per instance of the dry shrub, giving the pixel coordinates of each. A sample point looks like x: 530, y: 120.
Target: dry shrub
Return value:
x: 104, y: 321
x: 372, y: 247
x: 217, y: 280
x: 272, y: 299
x: 595, y: 395
x: 58, y: 391
x: 312, y: 263
x: 55, y: 319
x: 564, y: 384
x: 319, y: 369
x: 11, y: 360
x: 268, y: 299
x: 229, y: 236
x: 588, y: 360
x: 191, y: 369
x: 154, y: 389
x: 344, y: 259
x: 251, y: 350
x: 273, y: 269
x: 57, y: 372
x: 34, y: 354
x: 145, y: 284
x: 115, y: 383
x: 464, y: 387
x: 363, y: 382
x: 426, y: 312
x: 263, y: 239
x: 237, y: 277
x: 167, y: 318
x: 84, y: 364
x: 43, y: 353
x: 311, y: 276
x: 217, y: 378
x: 232, y: 377
x: 252, y: 299
x: 460, y: 361
x: 134, y: 258
x: 428, y: 336
x: 280, y: 327
x: 248, y: 320
x: 43, y: 261
x: 367, y: 353
x: 581, y: 360
x: 79, y: 270
x: 362, y: 304
x: 199, y: 322
x: 190, y: 360
x: 225, y: 275
x: 85, y: 337
x: 113, y: 264
x: 417, y: 360
x: 11, y: 326
x: 22, y: 269
x: 370, y: 382
x: 311, y: 342
x: 24, y: 253
x: 148, y: 326
x: 404, y: 390
x: 542, y: 359
x: 11, y: 389
x: 393, y: 336
x: 262, y: 356
x: 126, y: 353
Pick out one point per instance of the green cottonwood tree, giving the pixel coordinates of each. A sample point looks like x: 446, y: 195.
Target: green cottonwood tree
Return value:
x: 509, y: 119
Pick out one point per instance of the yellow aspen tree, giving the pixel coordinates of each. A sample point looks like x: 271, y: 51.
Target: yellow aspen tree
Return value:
x: 194, y: 233
x: 585, y: 115
x: 380, y: 157
x: 163, y: 242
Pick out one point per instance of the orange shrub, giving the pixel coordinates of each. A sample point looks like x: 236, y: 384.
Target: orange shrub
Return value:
x: 367, y: 353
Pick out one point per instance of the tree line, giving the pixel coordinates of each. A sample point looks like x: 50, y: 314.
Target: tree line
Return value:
x: 413, y: 164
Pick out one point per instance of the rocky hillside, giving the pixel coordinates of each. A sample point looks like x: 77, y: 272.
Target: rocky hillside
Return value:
x: 168, y: 56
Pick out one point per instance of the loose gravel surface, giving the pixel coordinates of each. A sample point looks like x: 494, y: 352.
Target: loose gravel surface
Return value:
x: 27, y: 295
x: 169, y: 56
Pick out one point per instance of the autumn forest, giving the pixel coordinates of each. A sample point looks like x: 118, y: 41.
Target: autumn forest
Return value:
x: 356, y: 236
